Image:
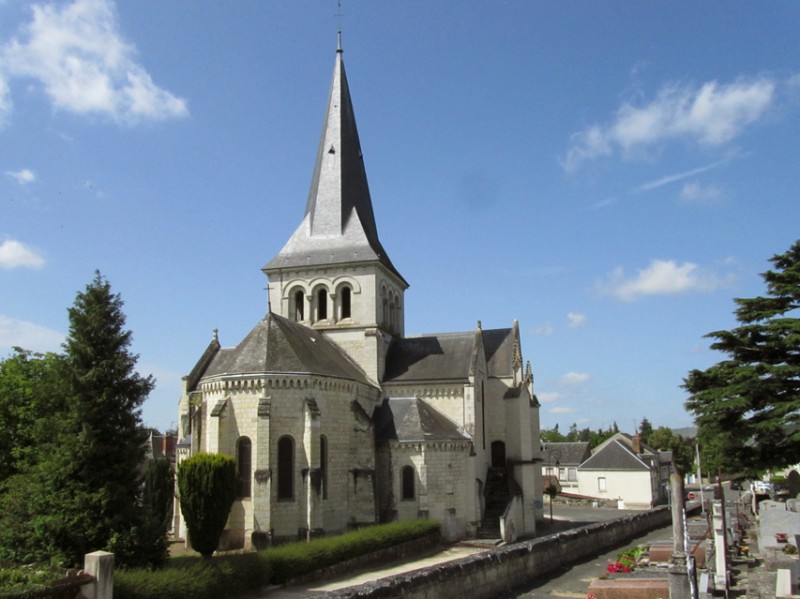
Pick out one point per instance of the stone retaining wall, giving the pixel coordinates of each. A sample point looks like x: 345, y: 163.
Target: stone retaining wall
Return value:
x: 512, y: 566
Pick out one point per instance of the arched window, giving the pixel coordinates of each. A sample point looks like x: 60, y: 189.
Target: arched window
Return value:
x: 299, y: 306
x: 323, y: 464
x: 408, y: 480
x: 285, y: 469
x: 385, y: 303
x: 391, y: 315
x: 322, y: 304
x: 345, y: 295
x: 244, y: 451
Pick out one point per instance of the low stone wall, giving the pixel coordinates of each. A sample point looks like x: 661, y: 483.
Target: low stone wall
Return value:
x: 512, y: 566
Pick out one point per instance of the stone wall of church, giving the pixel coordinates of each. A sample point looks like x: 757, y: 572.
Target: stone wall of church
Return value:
x: 266, y: 409
x: 444, y: 484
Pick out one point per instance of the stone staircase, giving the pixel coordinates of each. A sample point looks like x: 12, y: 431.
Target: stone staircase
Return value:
x: 497, y: 497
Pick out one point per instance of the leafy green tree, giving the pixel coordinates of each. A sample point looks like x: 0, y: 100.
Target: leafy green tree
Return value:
x: 29, y: 393
x: 83, y: 488
x: 665, y: 439
x: 207, y: 487
x: 551, y: 435
x: 747, y: 407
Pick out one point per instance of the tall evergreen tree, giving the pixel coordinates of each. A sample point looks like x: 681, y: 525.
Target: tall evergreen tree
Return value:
x: 747, y: 407
x: 82, y: 493
x: 106, y: 394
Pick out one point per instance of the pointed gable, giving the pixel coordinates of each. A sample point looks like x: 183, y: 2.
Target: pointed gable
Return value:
x: 339, y: 223
x: 614, y: 455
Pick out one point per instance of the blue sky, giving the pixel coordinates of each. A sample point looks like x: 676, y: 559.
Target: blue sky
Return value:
x: 611, y: 174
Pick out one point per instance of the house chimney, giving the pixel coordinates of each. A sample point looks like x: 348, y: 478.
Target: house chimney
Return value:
x: 636, y: 442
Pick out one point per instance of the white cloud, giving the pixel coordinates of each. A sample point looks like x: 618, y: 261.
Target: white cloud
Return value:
x: 548, y: 396
x: 14, y: 254
x: 574, y: 378
x: 576, y: 319
x: 5, y: 101
x: 661, y: 277
x: 561, y: 410
x: 695, y: 193
x: 545, y: 330
x: 712, y: 114
x: 27, y: 335
x: 77, y: 53
x: 23, y: 177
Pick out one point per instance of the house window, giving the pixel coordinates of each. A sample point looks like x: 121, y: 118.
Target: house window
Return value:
x: 407, y: 475
x: 244, y: 465
x: 322, y: 304
x: 285, y: 469
x: 601, y: 484
x: 548, y: 471
x: 562, y: 474
x: 299, y: 306
x: 572, y: 474
x: 323, y: 464
x: 345, y: 295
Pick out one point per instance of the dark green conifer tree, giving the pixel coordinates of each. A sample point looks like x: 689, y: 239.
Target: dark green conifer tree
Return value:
x: 207, y: 486
x: 82, y: 493
x: 747, y: 407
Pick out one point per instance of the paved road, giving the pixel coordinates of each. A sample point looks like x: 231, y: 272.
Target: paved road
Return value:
x: 573, y: 581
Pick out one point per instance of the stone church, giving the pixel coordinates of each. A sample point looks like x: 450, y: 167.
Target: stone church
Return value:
x: 336, y: 419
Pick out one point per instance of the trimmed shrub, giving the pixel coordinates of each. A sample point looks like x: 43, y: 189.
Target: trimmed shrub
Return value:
x: 239, y: 574
x: 295, y: 559
x: 194, y: 578
x: 207, y: 484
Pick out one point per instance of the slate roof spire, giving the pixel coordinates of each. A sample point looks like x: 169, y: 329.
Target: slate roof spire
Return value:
x: 339, y: 224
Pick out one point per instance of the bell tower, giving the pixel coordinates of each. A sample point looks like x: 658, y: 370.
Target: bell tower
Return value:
x: 333, y: 274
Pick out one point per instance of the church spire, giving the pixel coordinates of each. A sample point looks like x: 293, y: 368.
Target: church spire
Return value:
x: 339, y: 224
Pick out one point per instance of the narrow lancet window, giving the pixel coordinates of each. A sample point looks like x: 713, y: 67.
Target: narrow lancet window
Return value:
x: 345, y: 295
x: 285, y: 469
x: 322, y: 304
x: 299, y: 306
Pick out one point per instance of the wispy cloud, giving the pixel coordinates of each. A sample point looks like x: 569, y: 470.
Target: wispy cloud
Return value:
x: 576, y: 319
x: 548, y: 396
x: 561, y: 410
x: 545, y: 330
x: 661, y: 277
x: 678, y: 176
x: 712, y: 114
x: 575, y: 378
x: 14, y: 254
x: 27, y: 335
x: 695, y: 193
x: 78, y: 55
x: 23, y: 177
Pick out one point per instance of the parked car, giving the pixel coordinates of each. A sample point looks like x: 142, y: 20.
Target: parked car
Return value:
x: 762, y: 487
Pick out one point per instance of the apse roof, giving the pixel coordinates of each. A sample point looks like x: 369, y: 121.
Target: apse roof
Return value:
x: 278, y: 345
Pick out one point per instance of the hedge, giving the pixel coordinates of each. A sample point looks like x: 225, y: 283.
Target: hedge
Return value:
x: 237, y: 574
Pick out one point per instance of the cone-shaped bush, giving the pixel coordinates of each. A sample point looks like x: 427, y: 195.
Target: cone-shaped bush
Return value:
x: 207, y: 484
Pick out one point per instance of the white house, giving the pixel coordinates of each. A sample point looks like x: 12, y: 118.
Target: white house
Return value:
x: 625, y: 469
